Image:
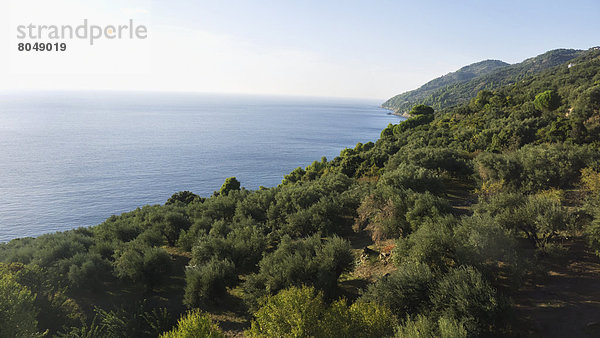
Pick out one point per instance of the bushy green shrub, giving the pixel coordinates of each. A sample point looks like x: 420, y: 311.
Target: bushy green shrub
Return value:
x: 140, y: 263
x: 302, y: 312
x: 206, y: 284
x: 88, y: 271
x: 122, y: 228
x: 53, y: 248
x: 200, y: 226
x: 194, y: 324
x: 483, y: 242
x: 499, y: 168
x: 220, y: 207
x: 539, y: 218
x: 592, y: 231
x: 404, y: 291
x: 17, y: 310
x: 136, y: 319
x: 305, y: 208
x: 438, y: 159
x: 174, y: 223
x: 426, y: 327
x: 230, y: 184
x: 367, y: 319
x: 421, y: 109
x: 184, y: 197
x: 547, y: 101
x: 410, y: 176
x: 432, y: 244
x: 412, y: 123
x: 256, y: 205
x: 53, y: 307
x: 311, y: 172
x: 294, y: 312
x: 309, y: 261
x: 536, y: 168
x: 19, y: 250
x: 322, y: 217
x: 244, y: 246
x: 463, y: 295
x: 391, y: 213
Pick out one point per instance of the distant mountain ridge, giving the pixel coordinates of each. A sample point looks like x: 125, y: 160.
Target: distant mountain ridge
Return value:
x: 462, y: 85
x: 466, y: 73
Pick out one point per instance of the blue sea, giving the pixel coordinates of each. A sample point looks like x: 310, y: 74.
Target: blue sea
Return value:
x: 72, y: 159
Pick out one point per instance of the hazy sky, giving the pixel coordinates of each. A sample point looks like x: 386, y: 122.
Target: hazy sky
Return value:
x: 361, y: 49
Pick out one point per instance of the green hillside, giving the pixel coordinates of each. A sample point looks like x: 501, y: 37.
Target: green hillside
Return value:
x: 461, y: 86
x: 465, y: 74
x: 477, y: 220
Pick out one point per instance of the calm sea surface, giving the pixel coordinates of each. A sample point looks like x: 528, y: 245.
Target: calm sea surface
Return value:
x: 73, y: 159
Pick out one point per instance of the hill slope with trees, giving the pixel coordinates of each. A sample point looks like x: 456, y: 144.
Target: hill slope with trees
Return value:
x: 433, y: 230
x: 462, y: 85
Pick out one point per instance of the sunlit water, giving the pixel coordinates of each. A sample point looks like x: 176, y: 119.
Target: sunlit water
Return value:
x: 73, y: 159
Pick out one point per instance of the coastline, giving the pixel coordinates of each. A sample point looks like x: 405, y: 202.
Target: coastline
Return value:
x: 393, y: 112
x: 180, y: 118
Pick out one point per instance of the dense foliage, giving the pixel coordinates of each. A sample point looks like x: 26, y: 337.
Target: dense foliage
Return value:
x: 302, y: 312
x: 426, y: 232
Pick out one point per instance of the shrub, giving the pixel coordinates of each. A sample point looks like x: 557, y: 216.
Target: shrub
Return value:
x: 221, y: 207
x: 294, y: 312
x: 590, y: 180
x: 156, y: 266
x: 174, y: 223
x: 307, y: 261
x: 324, y: 216
x: 424, y: 326
x: 302, y: 312
x: 463, y: 295
x: 391, y: 213
x: 482, y: 242
x: 230, y: 184
x: 547, y: 101
x: 87, y: 270
x: 255, y: 206
x: 200, y: 226
x: 185, y: 197
x: 17, y: 310
x: 592, y: 232
x: 421, y: 109
x: 305, y: 208
x: 536, y: 168
x: 481, y: 100
x: 497, y: 167
x: 194, y: 324
x: 54, y: 309
x: 432, y: 244
x: 555, y: 166
x: 410, y: 176
x: 131, y: 320
x: 206, y: 284
x: 367, y: 319
x: 361, y: 319
x: 244, y: 246
x: 438, y: 159
x: 421, y: 326
x: 52, y: 248
x: 411, y: 123
x: 540, y: 218
x: 544, y: 219
x: 404, y: 291
x: 140, y: 263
